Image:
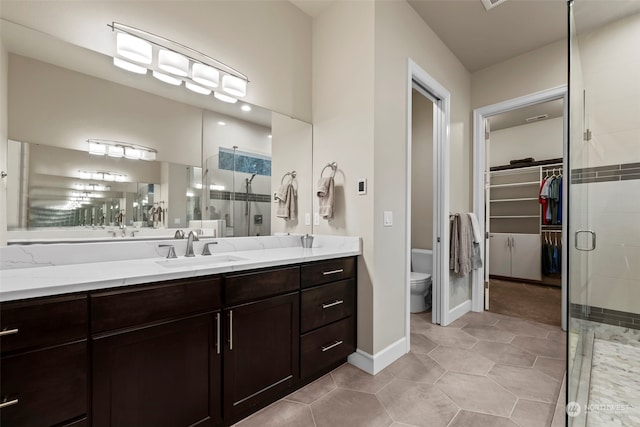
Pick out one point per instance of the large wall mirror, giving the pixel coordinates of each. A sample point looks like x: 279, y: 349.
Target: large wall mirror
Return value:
x: 215, y: 166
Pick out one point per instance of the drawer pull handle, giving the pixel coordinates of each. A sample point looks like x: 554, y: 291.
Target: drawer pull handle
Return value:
x: 231, y: 330
x: 336, y: 302
x: 8, y: 332
x: 9, y: 403
x: 326, y: 273
x: 218, y: 333
x: 329, y: 347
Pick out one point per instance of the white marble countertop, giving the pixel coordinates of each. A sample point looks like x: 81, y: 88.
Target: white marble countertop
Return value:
x: 41, y: 279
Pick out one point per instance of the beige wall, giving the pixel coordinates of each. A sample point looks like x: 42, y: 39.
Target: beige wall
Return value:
x: 401, y: 34
x: 343, y: 114
x: 269, y: 41
x: 541, y: 140
x: 531, y: 72
x: 365, y: 132
x: 421, y: 172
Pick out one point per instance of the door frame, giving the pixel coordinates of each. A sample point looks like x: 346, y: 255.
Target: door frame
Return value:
x: 441, y: 124
x: 479, y: 151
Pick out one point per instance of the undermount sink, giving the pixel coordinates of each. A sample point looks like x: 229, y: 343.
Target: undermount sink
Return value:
x: 199, y: 260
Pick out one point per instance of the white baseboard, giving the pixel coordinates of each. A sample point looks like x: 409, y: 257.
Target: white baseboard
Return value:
x: 382, y: 359
x: 459, y: 311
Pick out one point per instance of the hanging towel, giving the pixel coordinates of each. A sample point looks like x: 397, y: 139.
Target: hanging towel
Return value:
x: 461, y: 240
x: 325, y: 194
x: 476, y: 257
x: 286, y: 197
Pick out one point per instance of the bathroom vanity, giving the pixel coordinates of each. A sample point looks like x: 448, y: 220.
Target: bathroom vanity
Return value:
x: 209, y: 349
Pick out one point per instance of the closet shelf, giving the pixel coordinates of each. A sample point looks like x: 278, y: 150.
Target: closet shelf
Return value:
x: 521, y: 199
x: 515, y: 184
x: 513, y: 216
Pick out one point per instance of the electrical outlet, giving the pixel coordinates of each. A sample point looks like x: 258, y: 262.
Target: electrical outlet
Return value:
x: 316, y: 218
x: 307, y: 218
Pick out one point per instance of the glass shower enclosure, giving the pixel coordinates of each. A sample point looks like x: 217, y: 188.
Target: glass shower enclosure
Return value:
x: 603, y: 377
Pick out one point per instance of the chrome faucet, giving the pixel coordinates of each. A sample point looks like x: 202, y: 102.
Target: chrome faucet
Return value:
x: 179, y: 234
x: 193, y: 237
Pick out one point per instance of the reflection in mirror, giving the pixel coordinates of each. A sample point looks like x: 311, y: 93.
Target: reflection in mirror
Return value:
x: 207, y: 176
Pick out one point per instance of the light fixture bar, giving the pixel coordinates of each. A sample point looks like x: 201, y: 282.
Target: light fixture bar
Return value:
x: 121, y: 149
x: 102, y: 176
x: 192, y: 54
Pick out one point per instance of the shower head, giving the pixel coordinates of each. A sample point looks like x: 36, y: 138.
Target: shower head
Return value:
x: 251, y: 179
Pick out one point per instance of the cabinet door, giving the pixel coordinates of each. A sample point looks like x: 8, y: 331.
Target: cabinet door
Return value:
x: 261, y: 353
x: 45, y: 387
x: 167, y: 374
x: 500, y: 254
x: 525, y: 256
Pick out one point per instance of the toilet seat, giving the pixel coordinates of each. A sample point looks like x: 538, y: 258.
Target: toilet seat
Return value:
x: 419, y: 277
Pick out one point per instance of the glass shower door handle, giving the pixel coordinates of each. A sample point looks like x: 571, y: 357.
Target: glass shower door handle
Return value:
x: 588, y: 244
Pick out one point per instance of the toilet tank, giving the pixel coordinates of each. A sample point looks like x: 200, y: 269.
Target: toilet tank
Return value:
x: 422, y: 260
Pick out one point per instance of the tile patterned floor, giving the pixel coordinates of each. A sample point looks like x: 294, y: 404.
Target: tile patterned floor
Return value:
x: 485, y: 369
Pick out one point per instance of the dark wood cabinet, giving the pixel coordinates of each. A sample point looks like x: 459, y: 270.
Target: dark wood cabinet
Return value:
x: 328, y: 315
x: 167, y: 374
x: 157, y: 355
x: 205, y: 351
x: 44, y: 365
x: 260, y: 353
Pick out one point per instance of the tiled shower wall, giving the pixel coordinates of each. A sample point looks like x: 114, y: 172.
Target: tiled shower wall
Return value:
x: 605, y: 175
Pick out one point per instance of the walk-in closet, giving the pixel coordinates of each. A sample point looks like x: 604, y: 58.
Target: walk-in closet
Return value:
x: 524, y: 214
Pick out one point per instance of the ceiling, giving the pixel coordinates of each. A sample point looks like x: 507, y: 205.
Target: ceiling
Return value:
x: 481, y: 38
x: 552, y: 109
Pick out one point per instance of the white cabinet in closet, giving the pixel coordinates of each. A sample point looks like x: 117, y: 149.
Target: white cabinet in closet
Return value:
x: 515, y: 255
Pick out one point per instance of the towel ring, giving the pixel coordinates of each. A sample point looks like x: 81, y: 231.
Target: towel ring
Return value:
x: 292, y: 174
x: 333, y: 166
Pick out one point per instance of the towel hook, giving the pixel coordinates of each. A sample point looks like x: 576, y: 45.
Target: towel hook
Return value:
x: 292, y: 174
x: 333, y: 166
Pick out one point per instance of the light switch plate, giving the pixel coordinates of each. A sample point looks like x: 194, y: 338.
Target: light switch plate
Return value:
x: 387, y: 218
x: 307, y: 218
x: 316, y: 218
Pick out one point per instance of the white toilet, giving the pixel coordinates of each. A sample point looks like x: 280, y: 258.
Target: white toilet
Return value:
x: 421, y: 268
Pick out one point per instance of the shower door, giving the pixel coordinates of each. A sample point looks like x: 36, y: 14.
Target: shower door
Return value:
x: 604, y: 207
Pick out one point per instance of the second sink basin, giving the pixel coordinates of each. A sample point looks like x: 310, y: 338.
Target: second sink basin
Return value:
x: 199, y: 260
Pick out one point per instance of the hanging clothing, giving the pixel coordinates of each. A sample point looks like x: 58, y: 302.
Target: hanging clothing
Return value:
x: 559, y: 217
x: 543, y: 201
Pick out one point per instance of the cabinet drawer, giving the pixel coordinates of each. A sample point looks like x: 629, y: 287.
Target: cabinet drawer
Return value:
x: 325, y: 346
x: 40, y: 323
x: 327, y: 303
x: 50, y: 386
x: 328, y: 271
x: 245, y: 287
x: 122, y: 308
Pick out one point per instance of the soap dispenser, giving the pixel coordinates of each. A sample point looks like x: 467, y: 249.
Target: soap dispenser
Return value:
x: 307, y: 241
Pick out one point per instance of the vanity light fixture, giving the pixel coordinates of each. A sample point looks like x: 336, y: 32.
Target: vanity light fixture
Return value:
x: 120, y: 149
x: 173, y: 63
x: 92, y: 187
x: 216, y: 187
x: 102, y: 176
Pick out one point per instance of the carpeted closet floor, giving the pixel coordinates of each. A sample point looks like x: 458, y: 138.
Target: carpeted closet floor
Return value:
x: 539, y: 303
